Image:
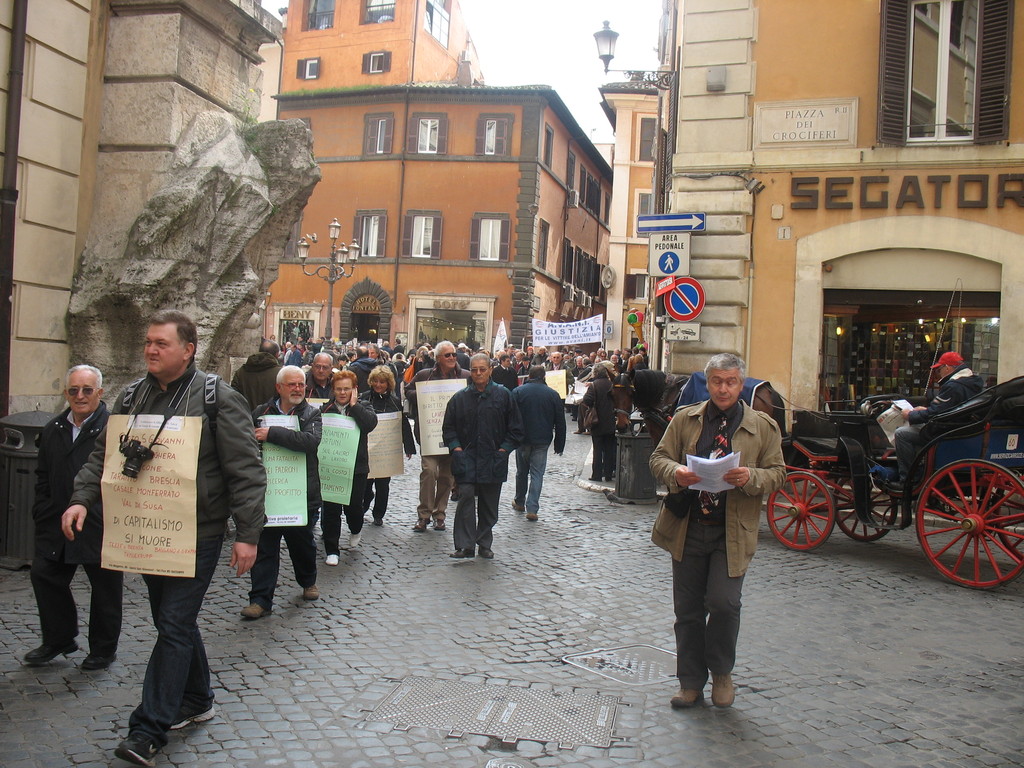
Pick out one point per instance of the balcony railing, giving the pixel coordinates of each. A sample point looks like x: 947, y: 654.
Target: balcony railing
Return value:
x: 323, y: 20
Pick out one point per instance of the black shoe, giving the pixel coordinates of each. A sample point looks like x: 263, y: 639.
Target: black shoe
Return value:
x: 462, y: 553
x: 893, y: 487
x: 378, y: 521
x: 486, y: 553
x: 192, y: 716
x: 95, y: 661
x: 47, y: 653
x: 595, y: 479
x: 137, y: 749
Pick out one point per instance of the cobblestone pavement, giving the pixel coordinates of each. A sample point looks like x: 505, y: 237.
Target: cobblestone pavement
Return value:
x: 854, y: 655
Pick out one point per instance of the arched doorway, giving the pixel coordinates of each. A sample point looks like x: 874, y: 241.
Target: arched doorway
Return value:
x: 366, y: 312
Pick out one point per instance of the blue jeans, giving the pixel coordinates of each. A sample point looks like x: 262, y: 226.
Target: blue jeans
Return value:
x: 178, y: 675
x: 531, y: 461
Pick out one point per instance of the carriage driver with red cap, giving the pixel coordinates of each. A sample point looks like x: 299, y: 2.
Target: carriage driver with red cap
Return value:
x: 956, y: 384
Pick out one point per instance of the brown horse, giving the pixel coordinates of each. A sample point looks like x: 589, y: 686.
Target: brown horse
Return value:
x: 656, y: 394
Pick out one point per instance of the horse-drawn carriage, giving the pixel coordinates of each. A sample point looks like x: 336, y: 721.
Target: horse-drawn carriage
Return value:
x: 967, y: 503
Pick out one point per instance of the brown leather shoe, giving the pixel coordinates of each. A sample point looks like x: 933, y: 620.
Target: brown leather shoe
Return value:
x: 311, y: 593
x: 687, y: 697
x: 255, y: 611
x: 421, y: 525
x: 723, y: 692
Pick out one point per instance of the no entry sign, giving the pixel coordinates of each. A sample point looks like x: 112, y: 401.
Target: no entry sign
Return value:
x: 686, y: 300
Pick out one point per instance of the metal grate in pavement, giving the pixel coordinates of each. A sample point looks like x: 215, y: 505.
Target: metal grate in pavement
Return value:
x: 629, y: 664
x: 508, y: 713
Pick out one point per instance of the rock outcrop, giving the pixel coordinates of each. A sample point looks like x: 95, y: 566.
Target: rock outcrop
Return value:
x: 207, y: 242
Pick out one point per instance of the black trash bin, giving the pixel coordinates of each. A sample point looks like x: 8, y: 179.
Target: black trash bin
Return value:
x: 633, y: 478
x: 19, y: 454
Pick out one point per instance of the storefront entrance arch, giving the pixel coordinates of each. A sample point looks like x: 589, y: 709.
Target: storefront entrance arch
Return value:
x: 941, y: 235
x: 366, y: 312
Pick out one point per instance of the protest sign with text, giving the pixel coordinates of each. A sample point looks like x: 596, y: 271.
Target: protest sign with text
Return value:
x: 149, y: 521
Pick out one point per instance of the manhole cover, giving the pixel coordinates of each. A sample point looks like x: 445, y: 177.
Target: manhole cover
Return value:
x: 629, y: 664
x: 507, y: 713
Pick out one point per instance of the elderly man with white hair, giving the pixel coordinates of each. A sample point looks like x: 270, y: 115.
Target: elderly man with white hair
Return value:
x: 64, y: 446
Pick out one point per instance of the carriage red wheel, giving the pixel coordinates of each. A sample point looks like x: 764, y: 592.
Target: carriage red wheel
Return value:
x: 802, y: 513
x: 970, y: 523
x: 846, y: 515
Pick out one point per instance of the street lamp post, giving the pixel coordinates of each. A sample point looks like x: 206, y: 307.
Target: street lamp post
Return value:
x: 334, y: 270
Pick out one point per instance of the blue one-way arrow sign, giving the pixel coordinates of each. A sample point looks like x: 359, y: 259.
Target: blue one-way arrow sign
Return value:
x: 670, y: 222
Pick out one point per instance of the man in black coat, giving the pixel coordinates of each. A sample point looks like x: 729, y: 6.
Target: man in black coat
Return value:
x: 482, y: 425
x: 290, y: 401
x: 504, y: 373
x: 64, y: 446
x: 257, y: 377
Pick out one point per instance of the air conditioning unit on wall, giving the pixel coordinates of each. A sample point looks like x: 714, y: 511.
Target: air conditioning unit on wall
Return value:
x: 574, y: 198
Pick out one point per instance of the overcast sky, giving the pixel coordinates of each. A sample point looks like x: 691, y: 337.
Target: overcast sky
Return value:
x: 551, y: 42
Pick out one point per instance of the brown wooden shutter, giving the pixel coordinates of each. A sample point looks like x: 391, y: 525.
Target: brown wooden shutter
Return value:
x: 474, y: 239
x: 506, y: 228
x: 893, y: 73
x: 481, y: 135
x: 370, y: 140
x: 366, y: 63
x: 413, y: 133
x: 501, y: 131
x: 357, y: 232
x: 389, y: 130
x: 300, y: 72
x: 629, y: 286
x: 442, y: 135
x: 386, y: 63
x: 992, y: 100
x: 435, y: 240
x: 407, y: 236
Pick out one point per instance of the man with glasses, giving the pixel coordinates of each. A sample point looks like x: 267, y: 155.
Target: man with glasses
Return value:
x: 318, y: 380
x: 64, y: 446
x: 436, y: 481
x: 230, y: 481
x: 482, y: 426
x: 290, y: 401
x: 712, y: 535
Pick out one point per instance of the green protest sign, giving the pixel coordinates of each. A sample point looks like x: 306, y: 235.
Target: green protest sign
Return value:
x: 337, y: 455
x: 286, y: 485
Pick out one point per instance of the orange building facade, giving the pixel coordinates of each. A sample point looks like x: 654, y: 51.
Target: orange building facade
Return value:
x: 470, y: 204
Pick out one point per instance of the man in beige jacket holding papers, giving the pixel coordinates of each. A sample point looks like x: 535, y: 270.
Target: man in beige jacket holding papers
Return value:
x: 712, y: 536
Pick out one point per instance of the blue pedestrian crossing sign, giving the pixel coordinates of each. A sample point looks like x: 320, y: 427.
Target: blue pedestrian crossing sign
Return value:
x: 669, y: 254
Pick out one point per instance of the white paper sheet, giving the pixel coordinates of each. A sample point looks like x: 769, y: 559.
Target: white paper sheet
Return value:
x: 712, y: 471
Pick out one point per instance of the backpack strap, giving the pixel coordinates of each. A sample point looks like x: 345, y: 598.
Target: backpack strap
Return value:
x: 210, y: 405
x: 129, y: 395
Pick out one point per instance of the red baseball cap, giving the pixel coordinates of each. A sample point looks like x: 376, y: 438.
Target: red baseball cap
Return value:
x: 949, y: 358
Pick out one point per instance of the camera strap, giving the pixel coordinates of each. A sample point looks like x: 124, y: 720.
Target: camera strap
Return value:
x: 171, y: 411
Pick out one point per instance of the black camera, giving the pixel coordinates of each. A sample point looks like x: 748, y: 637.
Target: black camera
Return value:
x: 135, y: 455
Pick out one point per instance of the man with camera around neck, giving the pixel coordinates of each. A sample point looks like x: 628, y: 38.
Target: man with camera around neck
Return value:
x: 230, y: 481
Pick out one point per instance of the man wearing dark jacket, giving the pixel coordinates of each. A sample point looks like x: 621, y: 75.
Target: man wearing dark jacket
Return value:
x: 290, y: 401
x: 230, y: 482
x: 482, y: 425
x: 257, y: 378
x: 436, y: 479
x: 64, y: 446
x: 956, y: 384
x: 504, y: 373
x: 362, y: 366
x: 318, y: 380
x: 541, y: 410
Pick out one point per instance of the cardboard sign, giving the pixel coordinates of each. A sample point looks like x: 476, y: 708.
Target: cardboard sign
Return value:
x: 149, y: 521
x: 385, y: 448
x: 431, y: 399
x: 557, y: 381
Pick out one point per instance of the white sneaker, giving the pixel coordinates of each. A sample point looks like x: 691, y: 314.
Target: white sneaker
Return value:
x: 354, y: 539
x: 332, y: 559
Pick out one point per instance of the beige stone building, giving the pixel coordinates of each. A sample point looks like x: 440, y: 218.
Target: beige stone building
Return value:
x: 859, y: 164
x: 107, y: 89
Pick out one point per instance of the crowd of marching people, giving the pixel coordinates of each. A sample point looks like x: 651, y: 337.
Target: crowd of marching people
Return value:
x: 307, y: 412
